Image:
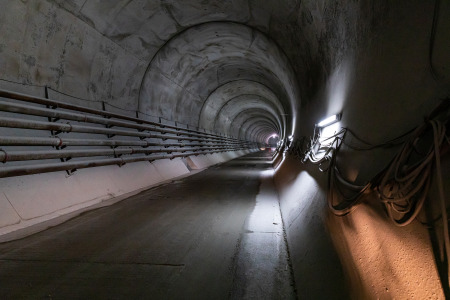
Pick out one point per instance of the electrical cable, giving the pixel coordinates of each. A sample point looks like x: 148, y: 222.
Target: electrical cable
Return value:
x: 403, y: 185
x: 391, y: 143
x: 404, y: 190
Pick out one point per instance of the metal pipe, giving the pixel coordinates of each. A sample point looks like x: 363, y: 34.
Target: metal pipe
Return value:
x: 6, y: 156
x: 54, y: 103
x: 60, y: 142
x: 52, y: 113
x: 66, y: 127
x: 201, y: 142
x: 63, y: 166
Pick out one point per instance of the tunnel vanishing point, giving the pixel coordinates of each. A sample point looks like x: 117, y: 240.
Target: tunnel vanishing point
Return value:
x: 238, y: 149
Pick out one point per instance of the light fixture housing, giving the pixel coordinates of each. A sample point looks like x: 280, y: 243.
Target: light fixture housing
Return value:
x: 328, y: 121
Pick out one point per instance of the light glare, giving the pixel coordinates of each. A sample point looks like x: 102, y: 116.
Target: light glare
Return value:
x: 328, y: 121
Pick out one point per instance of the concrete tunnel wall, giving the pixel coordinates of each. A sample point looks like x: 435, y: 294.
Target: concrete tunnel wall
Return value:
x: 198, y: 64
x: 72, y: 50
x: 369, y: 62
x: 193, y: 64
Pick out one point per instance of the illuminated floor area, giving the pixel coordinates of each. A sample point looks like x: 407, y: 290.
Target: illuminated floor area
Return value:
x: 215, y: 235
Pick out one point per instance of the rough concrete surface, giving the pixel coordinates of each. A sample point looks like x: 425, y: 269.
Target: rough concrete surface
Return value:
x: 249, y: 68
x: 176, y: 88
x: 359, y: 256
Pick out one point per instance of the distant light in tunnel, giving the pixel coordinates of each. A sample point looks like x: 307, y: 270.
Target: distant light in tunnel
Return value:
x: 272, y: 139
x: 330, y: 120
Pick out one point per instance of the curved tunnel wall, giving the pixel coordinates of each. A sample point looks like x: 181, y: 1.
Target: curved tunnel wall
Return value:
x: 103, y: 56
x: 252, y: 117
x: 240, y: 104
x: 359, y: 58
x: 245, y: 89
x: 374, y: 67
x: 184, y: 78
x: 101, y: 52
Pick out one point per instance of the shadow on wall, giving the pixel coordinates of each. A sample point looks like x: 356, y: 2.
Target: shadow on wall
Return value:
x: 384, y: 91
x: 361, y: 255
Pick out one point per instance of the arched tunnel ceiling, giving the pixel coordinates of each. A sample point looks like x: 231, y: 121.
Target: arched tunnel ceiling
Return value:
x: 184, y: 75
x: 224, y: 95
x: 249, y: 117
x: 240, y: 131
x: 163, y: 58
x: 243, y: 131
x: 261, y: 133
x: 102, y: 50
x: 257, y: 127
x: 143, y: 26
x: 234, y: 106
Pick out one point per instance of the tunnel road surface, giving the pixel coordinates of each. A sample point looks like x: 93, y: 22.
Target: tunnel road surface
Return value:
x: 215, y: 235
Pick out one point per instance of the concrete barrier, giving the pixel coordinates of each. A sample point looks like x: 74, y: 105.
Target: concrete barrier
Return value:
x: 29, y: 204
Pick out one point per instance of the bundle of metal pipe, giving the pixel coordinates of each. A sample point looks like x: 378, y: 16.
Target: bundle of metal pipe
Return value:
x: 52, y: 113
x: 59, y: 104
x: 6, y: 156
x: 67, y: 127
x: 64, y: 166
x: 56, y: 141
x: 121, y: 151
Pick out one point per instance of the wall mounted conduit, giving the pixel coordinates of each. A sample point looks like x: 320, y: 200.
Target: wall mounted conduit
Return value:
x: 118, y: 139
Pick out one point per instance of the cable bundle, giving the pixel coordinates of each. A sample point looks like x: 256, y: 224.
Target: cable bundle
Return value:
x: 404, y: 188
x: 404, y: 184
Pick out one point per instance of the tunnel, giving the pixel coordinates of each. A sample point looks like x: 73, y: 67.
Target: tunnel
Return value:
x: 238, y: 149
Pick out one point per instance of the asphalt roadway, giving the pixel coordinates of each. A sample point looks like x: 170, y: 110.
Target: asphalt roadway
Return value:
x: 215, y: 235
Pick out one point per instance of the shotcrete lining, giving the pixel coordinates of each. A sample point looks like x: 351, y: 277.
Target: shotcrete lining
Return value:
x: 228, y: 112
x: 240, y: 120
x: 256, y: 125
x: 261, y: 133
x: 224, y: 93
x: 252, y: 114
x: 184, y: 73
x: 239, y: 132
x: 250, y: 131
x: 100, y: 51
x: 246, y: 124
